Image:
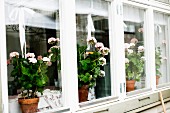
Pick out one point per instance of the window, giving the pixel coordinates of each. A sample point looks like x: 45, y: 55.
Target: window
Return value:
x: 29, y: 25
x: 161, y: 47
x: 94, y: 25
x: 134, y: 47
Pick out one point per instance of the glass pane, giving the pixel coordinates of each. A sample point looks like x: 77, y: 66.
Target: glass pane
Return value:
x: 134, y: 49
x: 161, y: 22
x: 34, y: 72
x: 93, y: 57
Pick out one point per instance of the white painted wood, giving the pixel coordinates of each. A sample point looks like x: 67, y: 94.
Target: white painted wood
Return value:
x: 3, y: 62
x: 168, y: 48
x: 117, y: 48
x: 68, y: 54
x: 149, y: 46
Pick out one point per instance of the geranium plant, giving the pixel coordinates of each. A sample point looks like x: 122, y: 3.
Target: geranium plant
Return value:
x: 29, y: 73
x: 158, y: 62
x: 134, y: 61
x: 90, y: 60
x: 54, y: 51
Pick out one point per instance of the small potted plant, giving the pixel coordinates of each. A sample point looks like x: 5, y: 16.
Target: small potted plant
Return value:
x: 134, y: 64
x: 54, y: 55
x: 158, y: 63
x: 90, y: 59
x: 29, y: 74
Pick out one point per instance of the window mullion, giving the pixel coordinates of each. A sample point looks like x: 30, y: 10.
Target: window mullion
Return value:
x: 149, y: 45
x: 168, y: 48
x: 3, y: 66
x: 117, y: 49
x: 68, y: 54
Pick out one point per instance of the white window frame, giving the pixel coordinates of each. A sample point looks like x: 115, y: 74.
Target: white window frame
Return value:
x: 68, y: 54
x: 115, y: 11
x: 160, y: 86
x: 117, y: 49
x: 148, y: 32
x: 3, y: 64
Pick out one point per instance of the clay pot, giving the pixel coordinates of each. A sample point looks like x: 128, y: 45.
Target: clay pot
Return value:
x: 28, y: 105
x: 157, y: 79
x: 83, y: 93
x: 130, y: 85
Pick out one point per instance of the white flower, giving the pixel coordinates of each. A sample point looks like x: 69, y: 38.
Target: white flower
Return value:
x: 46, y: 59
x: 127, y: 46
x: 143, y: 58
x: 32, y: 60
x: 38, y: 94
x: 53, y: 40
x: 102, y: 61
x: 141, y: 49
x: 164, y: 58
x: 102, y: 73
x: 90, y: 77
x: 25, y: 91
x: 126, y: 60
x: 14, y: 54
x: 57, y: 39
x: 140, y: 30
x: 104, y: 50
x: 30, y: 55
x: 91, y: 40
x: 130, y: 51
x: 99, y: 45
x: 132, y: 44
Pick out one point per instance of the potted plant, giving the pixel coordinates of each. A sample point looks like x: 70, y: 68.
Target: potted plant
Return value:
x: 134, y: 64
x: 158, y: 63
x: 90, y: 59
x: 30, y: 76
x: 54, y: 55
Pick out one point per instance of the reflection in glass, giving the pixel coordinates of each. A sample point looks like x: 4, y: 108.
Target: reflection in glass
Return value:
x: 34, y: 24
x: 161, y: 21
x: 134, y: 48
x: 103, y: 85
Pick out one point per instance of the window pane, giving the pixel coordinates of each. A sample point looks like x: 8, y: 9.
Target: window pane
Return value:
x: 102, y: 86
x: 95, y: 26
x: 161, y: 22
x: 39, y: 26
x: 134, y: 47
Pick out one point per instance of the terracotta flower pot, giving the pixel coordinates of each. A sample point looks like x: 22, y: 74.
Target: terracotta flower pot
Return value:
x: 28, y: 105
x: 83, y: 93
x: 157, y: 79
x: 130, y: 85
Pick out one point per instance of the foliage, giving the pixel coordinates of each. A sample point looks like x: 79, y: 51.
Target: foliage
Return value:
x: 54, y: 51
x: 29, y: 73
x: 134, y: 61
x: 158, y: 61
x: 90, y: 62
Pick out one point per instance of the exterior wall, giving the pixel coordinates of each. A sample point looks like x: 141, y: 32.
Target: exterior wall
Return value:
x: 144, y: 104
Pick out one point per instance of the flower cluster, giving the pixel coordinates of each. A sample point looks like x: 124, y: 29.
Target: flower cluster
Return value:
x: 29, y: 73
x: 54, y: 51
x: 90, y: 62
x: 134, y: 61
